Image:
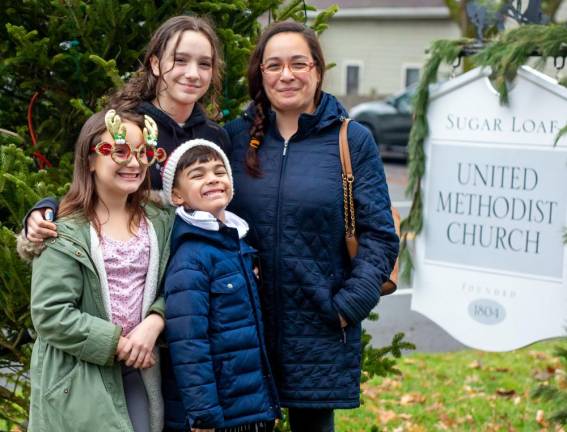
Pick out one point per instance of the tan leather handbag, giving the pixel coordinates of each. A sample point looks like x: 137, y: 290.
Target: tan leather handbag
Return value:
x: 391, y: 284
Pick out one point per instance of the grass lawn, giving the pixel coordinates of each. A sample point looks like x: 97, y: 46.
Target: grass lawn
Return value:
x: 461, y: 391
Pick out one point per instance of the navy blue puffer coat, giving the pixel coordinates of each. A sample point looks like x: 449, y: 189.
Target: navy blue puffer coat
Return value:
x: 295, y: 211
x: 214, y: 330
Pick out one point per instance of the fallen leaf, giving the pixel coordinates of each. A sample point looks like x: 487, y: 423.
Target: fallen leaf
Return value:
x: 538, y: 355
x: 502, y: 369
x: 410, y: 427
x: 505, y: 393
x: 386, y: 416
x: 476, y: 364
x: 517, y: 400
x: 370, y: 392
x: 412, y: 398
x: 389, y: 384
x: 447, y: 421
x: 472, y: 379
x: 561, y: 381
x: 437, y: 406
x: 543, y: 375
x: 471, y: 391
x: 540, y: 417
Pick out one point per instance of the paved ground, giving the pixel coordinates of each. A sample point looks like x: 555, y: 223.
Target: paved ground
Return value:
x: 395, y: 313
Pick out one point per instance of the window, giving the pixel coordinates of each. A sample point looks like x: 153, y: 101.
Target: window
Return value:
x: 352, y: 74
x: 411, y: 75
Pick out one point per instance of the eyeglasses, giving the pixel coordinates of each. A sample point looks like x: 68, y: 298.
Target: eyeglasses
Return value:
x: 275, y: 68
x: 122, y: 154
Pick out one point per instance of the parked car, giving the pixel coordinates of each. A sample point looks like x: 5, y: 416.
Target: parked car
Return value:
x: 389, y: 120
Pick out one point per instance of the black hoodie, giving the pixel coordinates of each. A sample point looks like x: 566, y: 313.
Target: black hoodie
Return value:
x: 171, y: 134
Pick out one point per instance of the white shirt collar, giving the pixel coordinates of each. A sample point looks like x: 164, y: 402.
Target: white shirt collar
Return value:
x: 206, y: 220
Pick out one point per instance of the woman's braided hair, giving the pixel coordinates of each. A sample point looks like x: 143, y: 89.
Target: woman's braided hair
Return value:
x: 260, y: 100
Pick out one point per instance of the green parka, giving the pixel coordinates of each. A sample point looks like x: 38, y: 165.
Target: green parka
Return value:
x: 76, y: 381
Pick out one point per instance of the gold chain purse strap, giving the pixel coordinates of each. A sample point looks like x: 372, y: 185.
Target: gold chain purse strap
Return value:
x: 348, y: 196
x: 390, y: 285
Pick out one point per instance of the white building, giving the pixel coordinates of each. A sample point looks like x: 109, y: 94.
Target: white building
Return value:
x: 379, y: 46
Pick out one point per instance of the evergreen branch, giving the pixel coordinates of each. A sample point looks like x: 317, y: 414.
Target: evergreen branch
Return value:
x: 287, y: 11
x: 561, y: 133
x: 322, y: 19
x: 12, y: 134
x: 512, y: 49
x: 10, y: 396
x: 33, y: 196
x: 441, y: 51
x: 110, y: 68
x: 405, y: 261
x: 12, y: 348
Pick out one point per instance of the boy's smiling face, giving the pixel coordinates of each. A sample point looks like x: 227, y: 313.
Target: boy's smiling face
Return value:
x: 203, y: 186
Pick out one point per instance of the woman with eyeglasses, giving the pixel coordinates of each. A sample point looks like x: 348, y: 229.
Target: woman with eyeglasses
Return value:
x: 288, y: 186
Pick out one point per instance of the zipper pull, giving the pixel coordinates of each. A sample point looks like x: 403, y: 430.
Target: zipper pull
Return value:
x: 285, y: 147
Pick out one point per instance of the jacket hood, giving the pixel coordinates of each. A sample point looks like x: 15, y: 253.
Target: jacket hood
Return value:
x: 197, y: 117
x: 328, y: 112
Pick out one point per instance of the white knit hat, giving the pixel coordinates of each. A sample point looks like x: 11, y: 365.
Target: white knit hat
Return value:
x: 170, y: 167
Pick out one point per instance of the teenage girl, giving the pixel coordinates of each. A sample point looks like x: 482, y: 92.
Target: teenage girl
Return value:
x: 181, y: 72
x: 94, y: 300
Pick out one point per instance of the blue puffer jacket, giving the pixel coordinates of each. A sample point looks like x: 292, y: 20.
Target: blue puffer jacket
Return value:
x: 215, y: 334
x: 296, y: 215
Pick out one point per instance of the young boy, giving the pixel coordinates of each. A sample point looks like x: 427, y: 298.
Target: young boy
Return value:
x: 213, y: 319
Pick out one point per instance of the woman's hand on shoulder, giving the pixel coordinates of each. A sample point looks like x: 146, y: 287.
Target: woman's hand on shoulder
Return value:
x: 39, y: 227
x: 143, y: 338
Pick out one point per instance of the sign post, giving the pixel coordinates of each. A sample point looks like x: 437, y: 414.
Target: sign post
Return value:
x: 491, y: 266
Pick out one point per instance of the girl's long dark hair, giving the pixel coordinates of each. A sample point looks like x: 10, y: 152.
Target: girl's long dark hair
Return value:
x: 82, y: 198
x: 143, y: 85
x: 256, y: 91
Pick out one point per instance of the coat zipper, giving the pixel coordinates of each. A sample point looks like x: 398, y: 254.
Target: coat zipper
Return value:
x: 279, y: 324
x: 255, y: 306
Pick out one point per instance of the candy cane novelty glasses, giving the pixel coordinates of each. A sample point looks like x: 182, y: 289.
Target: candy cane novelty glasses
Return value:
x: 121, y: 151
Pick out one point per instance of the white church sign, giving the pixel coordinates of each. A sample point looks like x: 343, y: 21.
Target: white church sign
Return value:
x: 491, y: 266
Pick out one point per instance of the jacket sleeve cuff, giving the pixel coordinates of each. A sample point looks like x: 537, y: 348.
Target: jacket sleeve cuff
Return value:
x: 349, y: 312
x: 100, y: 346
x: 211, y: 418
x: 49, y: 202
x: 158, y: 307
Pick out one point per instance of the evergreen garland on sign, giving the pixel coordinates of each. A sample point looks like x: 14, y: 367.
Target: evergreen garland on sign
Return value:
x: 505, y: 55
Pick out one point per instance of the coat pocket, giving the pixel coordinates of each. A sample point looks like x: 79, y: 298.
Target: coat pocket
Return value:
x: 230, y: 302
x: 79, y: 400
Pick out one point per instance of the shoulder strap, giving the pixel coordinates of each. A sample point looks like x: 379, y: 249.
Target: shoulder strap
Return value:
x: 344, y: 150
x: 348, y: 194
